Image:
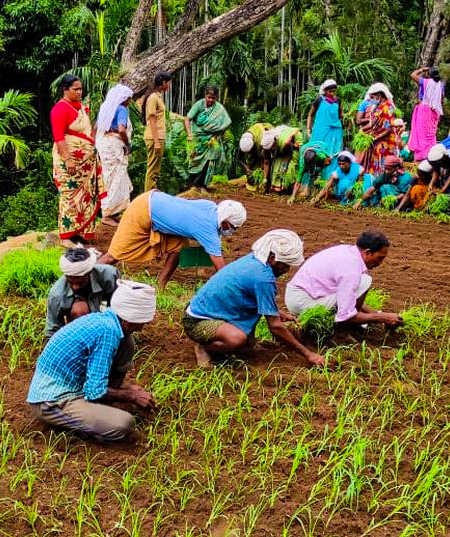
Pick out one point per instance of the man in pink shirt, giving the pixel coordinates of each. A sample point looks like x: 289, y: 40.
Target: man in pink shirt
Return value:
x: 337, y: 279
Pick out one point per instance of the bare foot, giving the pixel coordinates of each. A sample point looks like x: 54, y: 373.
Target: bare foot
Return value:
x: 109, y: 221
x: 204, y: 359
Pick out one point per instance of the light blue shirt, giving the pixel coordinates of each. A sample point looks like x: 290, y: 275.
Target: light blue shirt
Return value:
x: 239, y: 293
x: 193, y: 219
x: 77, y: 360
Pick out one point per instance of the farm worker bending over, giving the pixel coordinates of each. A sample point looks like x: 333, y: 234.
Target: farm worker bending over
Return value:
x: 439, y: 158
x: 337, y: 278
x: 224, y: 313
x: 394, y: 182
x: 156, y: 224
x: 71, y: 384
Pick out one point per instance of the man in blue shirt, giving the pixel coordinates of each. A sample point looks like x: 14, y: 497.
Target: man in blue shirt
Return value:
x: 71, y: 382
x: 224, y: 313
x: 157, y: 224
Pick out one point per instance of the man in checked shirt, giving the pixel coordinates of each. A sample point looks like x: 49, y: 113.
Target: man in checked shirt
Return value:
x: 71, y: 386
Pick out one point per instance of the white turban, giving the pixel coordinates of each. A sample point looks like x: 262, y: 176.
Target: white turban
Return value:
x: 425, y: 166
x: 115, y: 96
x: 134, y: 302
x: 347, y: 154
x: 268, y: 139
x: 286, y: 245
x: 327, y: 84
x: 246, y: 142
x: 437, y: 152
x: 233, y: 211
x: 78, y: 268
x: 379, y: 88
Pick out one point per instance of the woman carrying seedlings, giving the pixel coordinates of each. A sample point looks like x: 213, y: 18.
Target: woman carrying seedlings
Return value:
x: 222, y: 316
x: 208, y: 120
x: 76, y: 168
x: 252, y: 157
x: 388, y: 188
x: 341, y: 182
x: 113, y: 142
x: 427, y: 112
x: 337, y: 279
x: 313, y: 158
x: 381, y: 129
x: 325, y: 117
x: 283, y: 144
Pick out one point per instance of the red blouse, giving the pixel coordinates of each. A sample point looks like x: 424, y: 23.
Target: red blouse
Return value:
x: 61, y: 116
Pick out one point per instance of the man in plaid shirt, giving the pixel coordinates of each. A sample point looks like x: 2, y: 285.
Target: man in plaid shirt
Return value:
x: 71, y: 385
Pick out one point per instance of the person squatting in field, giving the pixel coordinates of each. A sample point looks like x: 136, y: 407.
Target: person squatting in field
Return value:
x: 74, y: 377
x: 222, y: 316
x: 157, y: 224
x: 337, y: 278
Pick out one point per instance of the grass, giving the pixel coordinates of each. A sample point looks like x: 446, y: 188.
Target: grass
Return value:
x: 360, y: 449
x: 29, y: 272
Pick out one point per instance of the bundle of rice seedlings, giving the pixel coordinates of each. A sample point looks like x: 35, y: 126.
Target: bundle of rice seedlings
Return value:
x: 389, y: 202
x: 362, y: 141
x: 29, y: 272
x: 440, y: 204
x: 318, y: 322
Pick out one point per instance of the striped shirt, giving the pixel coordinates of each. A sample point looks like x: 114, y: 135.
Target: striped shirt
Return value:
x: 77, y: 360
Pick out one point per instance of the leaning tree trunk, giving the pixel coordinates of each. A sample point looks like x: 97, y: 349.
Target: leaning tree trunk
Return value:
x: 134, y: 33
x: 177, y: 51
x: 438, y: 27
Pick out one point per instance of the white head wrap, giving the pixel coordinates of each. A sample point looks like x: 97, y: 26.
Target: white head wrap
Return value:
x: 233, y: 211
x: 115, y: 96
x: 425, y: 166
x: 268, y: 139
x: 286, y: 245
x: 78, y: 268
x: 134, y: 302
x: 246, y: 142
x: 347, y: 154
x: 437, y: 152
x: 327, y: 84
x: 379, y: 88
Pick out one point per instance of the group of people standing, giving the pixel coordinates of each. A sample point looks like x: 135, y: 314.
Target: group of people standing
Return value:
x: 90, y: 165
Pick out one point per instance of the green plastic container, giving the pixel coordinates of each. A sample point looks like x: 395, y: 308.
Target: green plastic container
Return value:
x: 194, y: 256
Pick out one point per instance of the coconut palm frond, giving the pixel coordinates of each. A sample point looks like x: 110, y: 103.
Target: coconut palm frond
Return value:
x: 21, y: 150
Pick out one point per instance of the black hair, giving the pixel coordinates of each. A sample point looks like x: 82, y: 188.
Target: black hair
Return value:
x: 372, y: 240
x: 344, y: 158
x: 309, y: 158
x: 161, y: 77
x: 67, y: 82
x: 214, y: 90
x: 76, y: 254
x: 434, y: 74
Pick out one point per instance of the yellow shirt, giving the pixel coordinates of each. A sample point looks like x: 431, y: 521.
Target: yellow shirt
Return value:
x: 155, y: 107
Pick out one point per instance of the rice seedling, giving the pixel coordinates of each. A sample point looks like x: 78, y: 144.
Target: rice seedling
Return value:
x: 361, y: 141
x: 376, y: 298
x: 262, y: 331
x: 29, y: 272
x: 318, y: 321
x: 389, y: 202
x: 439, y: 205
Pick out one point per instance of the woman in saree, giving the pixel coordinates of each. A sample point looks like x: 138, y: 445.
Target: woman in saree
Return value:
x: 76, y: 170
x: 325, y: 117
x: 113, y: 145
x: 283, y: 143
x: 381, y: 128
x: 208, y: 121
x: 313, y: 158
x: 427, y: 112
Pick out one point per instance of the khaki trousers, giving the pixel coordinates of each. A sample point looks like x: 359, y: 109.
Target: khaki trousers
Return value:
x: 154, y: 159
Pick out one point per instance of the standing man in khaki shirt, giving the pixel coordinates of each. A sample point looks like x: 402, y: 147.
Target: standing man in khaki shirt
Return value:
x: 155, y: 130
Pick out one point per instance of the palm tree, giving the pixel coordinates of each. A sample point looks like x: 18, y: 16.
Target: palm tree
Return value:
x: 16, y: 112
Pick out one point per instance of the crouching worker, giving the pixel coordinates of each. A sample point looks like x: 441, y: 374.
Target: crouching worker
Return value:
x: 71, y: 385
x: 223, y: 314
x: 157, y: 224
x: 337, y: 279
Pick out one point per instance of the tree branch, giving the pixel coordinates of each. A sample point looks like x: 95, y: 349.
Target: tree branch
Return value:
x: 190, y: 11
x: 134, y: 33
x: 185, y: 48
